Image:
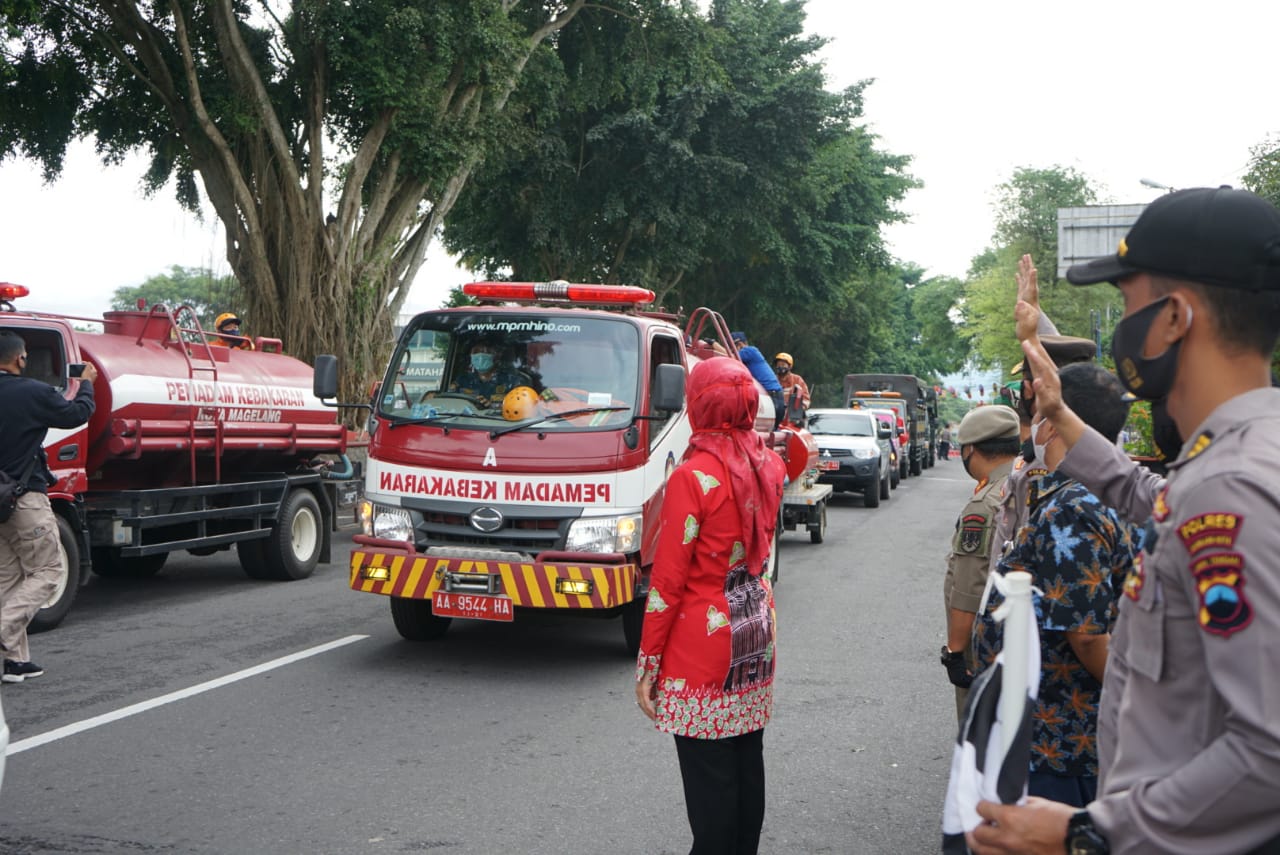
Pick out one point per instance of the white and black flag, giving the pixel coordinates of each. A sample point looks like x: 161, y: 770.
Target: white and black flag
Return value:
x: 993, y: 751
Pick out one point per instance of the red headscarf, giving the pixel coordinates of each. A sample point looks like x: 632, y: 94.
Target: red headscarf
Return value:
x: 723, y: 400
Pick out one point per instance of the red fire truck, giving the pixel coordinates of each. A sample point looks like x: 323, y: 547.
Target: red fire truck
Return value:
x: 191, y: 447
x: 473, y: 510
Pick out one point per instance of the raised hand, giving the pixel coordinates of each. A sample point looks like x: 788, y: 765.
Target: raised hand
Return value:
x: 1027, y: 311
x: 1028, y: 282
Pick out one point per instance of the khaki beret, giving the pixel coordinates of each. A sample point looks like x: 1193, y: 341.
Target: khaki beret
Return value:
x: 1064, y: 350
x: 994, y: 421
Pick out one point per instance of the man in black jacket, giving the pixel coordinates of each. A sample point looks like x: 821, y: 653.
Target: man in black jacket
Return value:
x: 30, y: 564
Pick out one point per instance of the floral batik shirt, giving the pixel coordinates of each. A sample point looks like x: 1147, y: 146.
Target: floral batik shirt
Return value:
x: 708, y: 635
x: 1078, y: 553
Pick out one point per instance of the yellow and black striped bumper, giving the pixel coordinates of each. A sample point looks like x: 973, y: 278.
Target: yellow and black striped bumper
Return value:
x: 536, y: 585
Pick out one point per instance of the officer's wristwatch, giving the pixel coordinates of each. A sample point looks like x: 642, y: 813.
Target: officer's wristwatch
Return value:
x: 1083, y: 837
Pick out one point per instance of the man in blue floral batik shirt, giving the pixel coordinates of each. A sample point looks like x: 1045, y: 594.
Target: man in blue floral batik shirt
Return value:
x: 1078, y: 553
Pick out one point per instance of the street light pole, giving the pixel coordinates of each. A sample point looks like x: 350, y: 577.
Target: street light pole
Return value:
x: 1155, y: 185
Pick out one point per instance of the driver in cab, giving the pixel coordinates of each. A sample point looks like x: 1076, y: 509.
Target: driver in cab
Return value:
x: 484, y: 379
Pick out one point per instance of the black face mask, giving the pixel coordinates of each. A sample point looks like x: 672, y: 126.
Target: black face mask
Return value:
x: 964, y: 461
x: 1149, y: 378
x: 1028, y: 450
x: 1164, y: 433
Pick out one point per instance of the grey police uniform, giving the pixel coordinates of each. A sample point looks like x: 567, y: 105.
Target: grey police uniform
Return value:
x: 1189, y: 730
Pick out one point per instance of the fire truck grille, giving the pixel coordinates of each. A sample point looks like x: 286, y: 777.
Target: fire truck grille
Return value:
x: 525, y: 534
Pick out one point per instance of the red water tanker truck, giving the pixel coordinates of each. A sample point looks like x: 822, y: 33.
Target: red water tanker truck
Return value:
x: 192, y: 446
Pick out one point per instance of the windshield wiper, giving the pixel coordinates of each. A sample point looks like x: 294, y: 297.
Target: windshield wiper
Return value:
x: 441, y: 417
x: 494, y: 434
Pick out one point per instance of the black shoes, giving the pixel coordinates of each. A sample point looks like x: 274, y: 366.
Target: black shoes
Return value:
x: 16, y: 672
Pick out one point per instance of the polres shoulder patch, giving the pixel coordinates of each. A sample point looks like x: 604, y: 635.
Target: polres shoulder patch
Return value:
x: 1216, y: 530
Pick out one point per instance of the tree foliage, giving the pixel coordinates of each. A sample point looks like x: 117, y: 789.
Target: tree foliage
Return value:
x: 331, y: 139
x: 1027, y: 223
x: 198, y: 288
x: 1263, y: 175
x: 701, y: 155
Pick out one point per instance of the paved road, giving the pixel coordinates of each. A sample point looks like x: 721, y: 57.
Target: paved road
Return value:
x: 201, y: 712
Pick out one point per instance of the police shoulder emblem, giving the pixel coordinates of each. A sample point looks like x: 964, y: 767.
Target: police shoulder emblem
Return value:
x: 1160, y: 511
x: 1220, y: 584
x: 1135, y: 579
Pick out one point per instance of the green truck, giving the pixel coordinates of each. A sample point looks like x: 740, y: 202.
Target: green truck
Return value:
x: 914, y: 401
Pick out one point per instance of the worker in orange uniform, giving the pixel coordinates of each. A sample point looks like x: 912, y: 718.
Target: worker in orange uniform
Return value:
x: 228, y: 327
x: 791, y: 382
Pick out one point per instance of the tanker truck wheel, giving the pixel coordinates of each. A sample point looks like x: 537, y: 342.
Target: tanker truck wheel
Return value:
x: 52, y: 612
x: 293, y: 548
x: 110, y: 564
x: 415, y: 621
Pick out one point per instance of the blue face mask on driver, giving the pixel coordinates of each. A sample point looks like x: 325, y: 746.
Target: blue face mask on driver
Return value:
x: 482, y: 361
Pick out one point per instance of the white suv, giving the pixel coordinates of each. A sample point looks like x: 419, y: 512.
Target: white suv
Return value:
x: 850, y: 454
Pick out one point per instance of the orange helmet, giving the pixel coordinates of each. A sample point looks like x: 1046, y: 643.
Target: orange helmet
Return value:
x: 520, y: 403
x: 785, y: 357
x: 223, y: 318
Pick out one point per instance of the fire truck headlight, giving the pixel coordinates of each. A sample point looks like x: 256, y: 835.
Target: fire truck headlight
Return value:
x: 364, y: 516
x: 392, y: 523
x: 605, y: 534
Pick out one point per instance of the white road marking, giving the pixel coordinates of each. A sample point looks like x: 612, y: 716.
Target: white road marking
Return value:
x: 133, y: 709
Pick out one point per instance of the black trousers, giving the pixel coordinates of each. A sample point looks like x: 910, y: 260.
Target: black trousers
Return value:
x: 724, y: 792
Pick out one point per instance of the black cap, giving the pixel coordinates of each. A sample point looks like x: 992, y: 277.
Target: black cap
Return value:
x: 1223, y: 237
x: 1064, y: 350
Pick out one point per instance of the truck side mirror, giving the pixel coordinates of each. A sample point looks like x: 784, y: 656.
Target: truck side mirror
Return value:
x: 668, y: 388
x: 325, y: 382
x: 884, y: 433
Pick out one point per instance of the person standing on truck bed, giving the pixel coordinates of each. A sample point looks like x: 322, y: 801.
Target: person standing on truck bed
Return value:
x: 792, y: 383
x: 484, y: 379
x: 754, y: 360
x: 30, y: 552
x: 706, y: 663
x: 228, y: 326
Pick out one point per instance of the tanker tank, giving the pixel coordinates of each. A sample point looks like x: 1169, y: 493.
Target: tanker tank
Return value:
x: 193, y: 412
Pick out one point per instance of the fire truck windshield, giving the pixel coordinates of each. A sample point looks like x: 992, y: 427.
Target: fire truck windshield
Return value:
x: 460, y: 366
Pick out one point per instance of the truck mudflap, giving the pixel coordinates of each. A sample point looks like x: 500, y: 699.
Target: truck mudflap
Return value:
x: 539, y: 585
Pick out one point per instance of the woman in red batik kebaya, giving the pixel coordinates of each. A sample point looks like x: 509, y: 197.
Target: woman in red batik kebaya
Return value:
x: 705, y: 670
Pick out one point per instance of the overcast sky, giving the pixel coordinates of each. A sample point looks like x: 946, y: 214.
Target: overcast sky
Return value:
x: 1171, y: 91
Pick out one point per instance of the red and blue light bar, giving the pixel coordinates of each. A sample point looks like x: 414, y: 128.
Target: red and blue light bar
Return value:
x: 623, y: 295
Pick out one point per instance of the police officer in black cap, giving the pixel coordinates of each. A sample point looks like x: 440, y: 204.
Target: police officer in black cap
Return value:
x: 1189, y: 730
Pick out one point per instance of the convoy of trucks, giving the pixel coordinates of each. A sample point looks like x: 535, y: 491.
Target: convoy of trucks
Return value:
x: 916, y: 405
x: 192, y: 446
x: 543, y: 492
